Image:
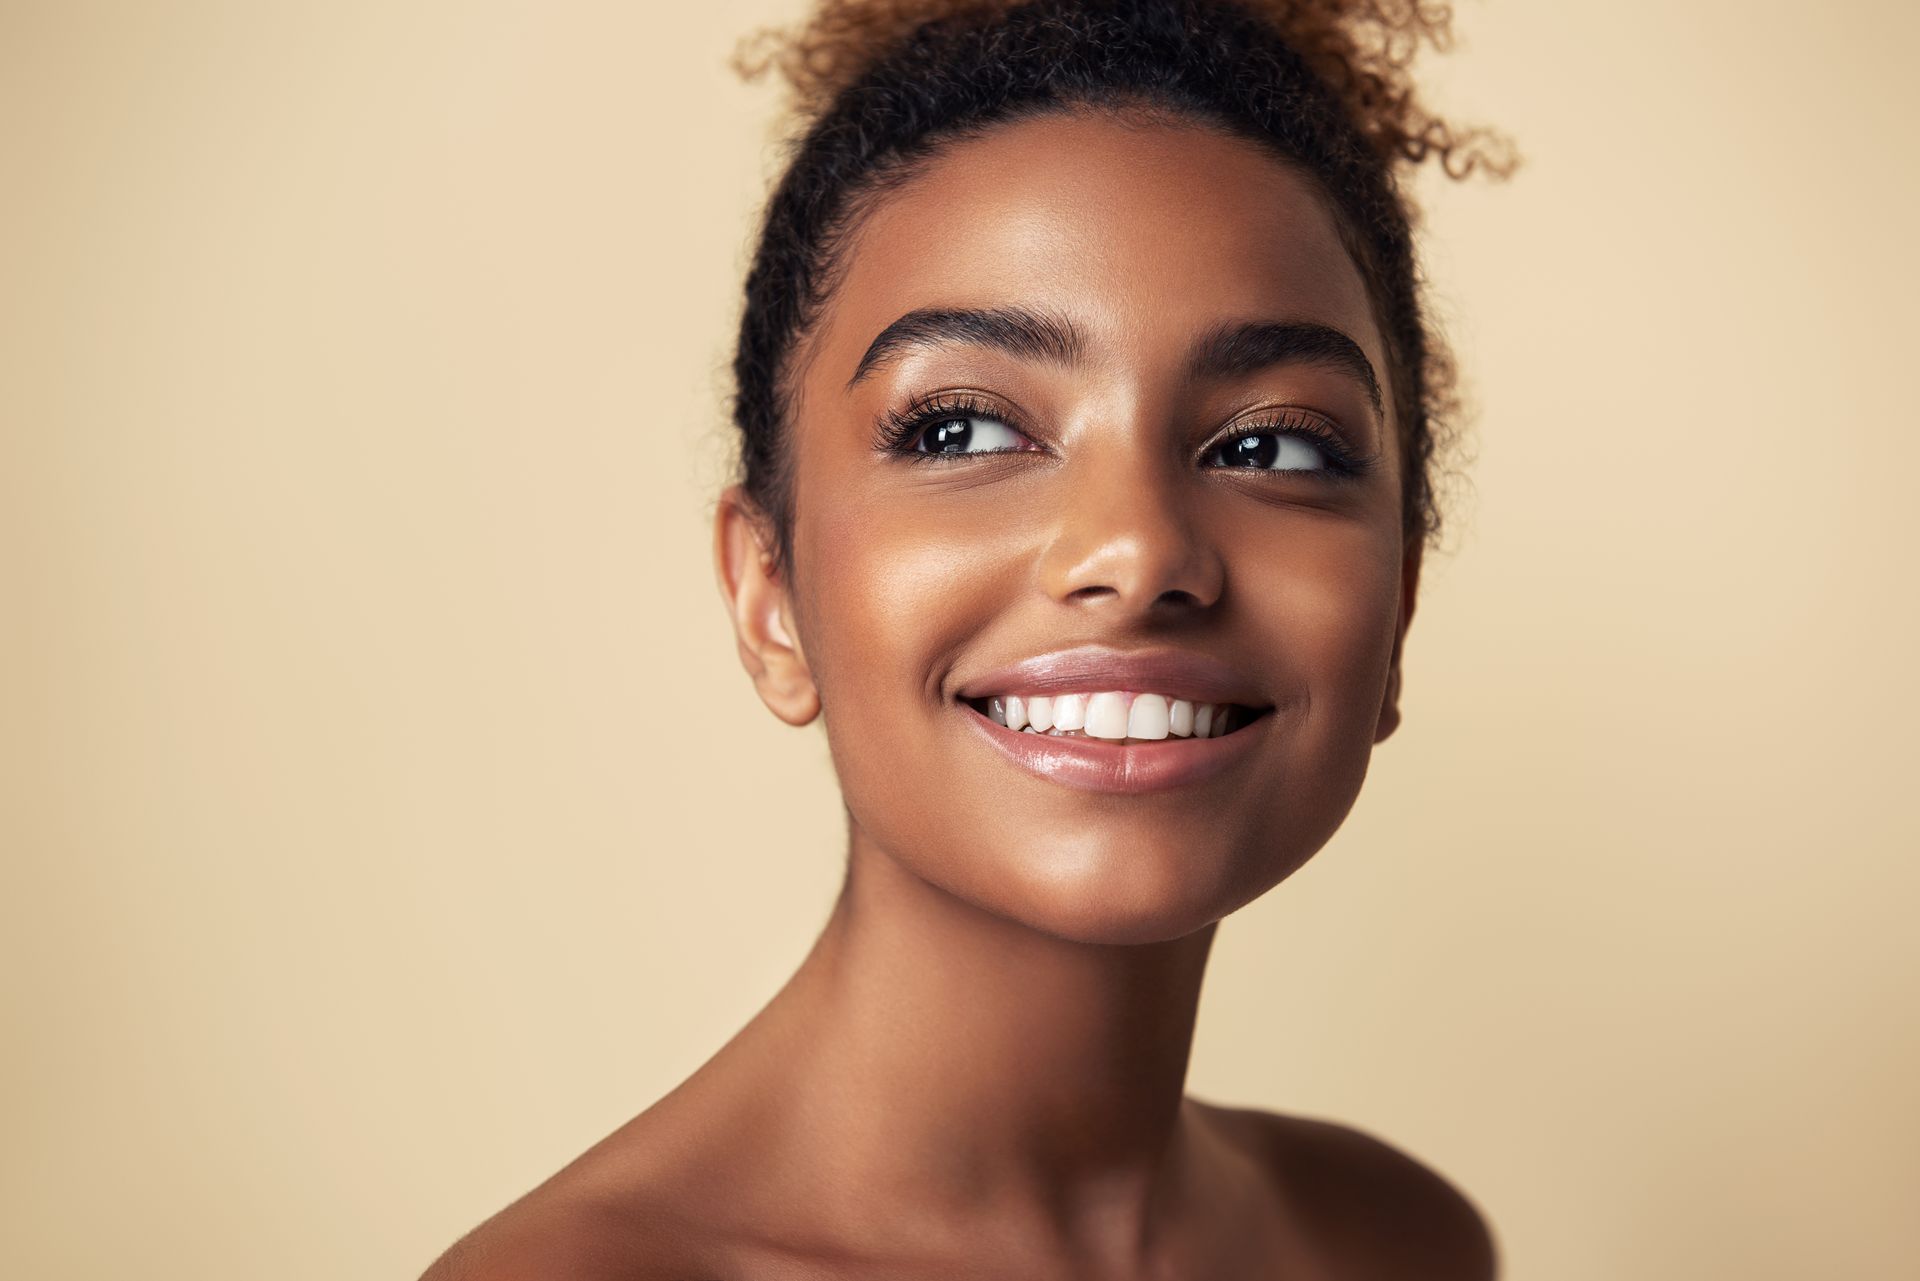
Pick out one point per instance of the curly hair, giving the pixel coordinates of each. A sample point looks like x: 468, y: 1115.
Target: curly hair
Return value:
x: 879, y: 85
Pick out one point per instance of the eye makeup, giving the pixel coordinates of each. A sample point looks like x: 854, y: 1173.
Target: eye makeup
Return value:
x: 902, y: 433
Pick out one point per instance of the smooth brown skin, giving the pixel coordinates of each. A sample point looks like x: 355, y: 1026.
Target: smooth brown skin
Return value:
x: 978, y: 1070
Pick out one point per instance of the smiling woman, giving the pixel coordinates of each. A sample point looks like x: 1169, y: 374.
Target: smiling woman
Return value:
x: 1088, y: 417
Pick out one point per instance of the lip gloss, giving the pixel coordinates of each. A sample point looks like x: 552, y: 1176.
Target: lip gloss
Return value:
x: 1094, y: 765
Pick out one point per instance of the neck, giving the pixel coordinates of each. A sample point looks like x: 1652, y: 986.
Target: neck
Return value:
x: 969, y: 1060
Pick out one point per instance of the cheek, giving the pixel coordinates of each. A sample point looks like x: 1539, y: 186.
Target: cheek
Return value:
x: 1329, y: 604
x: 891, y: 595
x: 1329, y: 597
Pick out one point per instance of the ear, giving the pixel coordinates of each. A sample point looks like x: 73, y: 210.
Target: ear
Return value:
x: 757, y: 601
x: 1409, y: 590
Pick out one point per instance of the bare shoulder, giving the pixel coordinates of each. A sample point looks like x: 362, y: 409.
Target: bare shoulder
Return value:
x: 1372, y: 1209
x: 564, y: 1230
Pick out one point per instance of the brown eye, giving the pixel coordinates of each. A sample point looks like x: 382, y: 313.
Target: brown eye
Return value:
x: 1271, y: 451
x: 968, y: 434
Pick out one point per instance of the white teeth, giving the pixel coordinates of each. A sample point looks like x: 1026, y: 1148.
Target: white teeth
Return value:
x: 1107, y: 716
x: 1111, y: 714
x: 1147, y: 718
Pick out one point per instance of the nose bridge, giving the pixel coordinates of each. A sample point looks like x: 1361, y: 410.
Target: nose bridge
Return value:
x: 1128, y: 527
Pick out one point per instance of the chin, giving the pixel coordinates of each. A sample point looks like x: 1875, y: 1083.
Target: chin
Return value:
x: 1092, y: 888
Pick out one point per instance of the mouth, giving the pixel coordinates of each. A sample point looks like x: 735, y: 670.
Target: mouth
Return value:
x: 1117, y: 741
x: 1101, y: 718
x: 1116, y: 718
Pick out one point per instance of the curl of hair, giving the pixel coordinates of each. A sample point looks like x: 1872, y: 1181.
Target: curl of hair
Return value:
x: 877, y: 85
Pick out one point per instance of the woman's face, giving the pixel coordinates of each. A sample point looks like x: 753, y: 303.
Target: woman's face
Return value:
x: 1124, y: 338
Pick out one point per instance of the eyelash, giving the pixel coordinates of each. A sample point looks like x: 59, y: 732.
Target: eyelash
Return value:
x: 899, y: 429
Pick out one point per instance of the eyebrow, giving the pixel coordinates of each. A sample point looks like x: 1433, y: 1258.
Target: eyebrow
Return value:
x: 1229, y: 350
x: 1029, y: 335
x: 1239, y: 348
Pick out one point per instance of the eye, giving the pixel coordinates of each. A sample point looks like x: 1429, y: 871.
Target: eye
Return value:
x: 966, y: 434
x: 949, y: 425
x: 1271, y: 451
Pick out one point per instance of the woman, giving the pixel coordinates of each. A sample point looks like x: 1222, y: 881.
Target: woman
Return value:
x: 1088, y: 419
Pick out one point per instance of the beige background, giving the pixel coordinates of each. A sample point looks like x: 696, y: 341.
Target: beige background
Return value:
x: 385, y: 815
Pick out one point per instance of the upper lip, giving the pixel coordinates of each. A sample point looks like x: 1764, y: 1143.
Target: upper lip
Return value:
x: 1177, y: 673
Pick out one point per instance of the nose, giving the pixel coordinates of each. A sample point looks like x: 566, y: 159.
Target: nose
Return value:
x: 1128, y: 534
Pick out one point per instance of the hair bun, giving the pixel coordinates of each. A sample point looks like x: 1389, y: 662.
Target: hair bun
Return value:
x: 1362, y: 49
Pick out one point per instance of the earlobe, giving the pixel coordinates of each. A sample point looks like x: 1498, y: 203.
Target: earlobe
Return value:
x: 758, y: 604
x: 1389, y: 719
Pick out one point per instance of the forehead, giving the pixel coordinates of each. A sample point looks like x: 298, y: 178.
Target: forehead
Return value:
x: 1142, y: 233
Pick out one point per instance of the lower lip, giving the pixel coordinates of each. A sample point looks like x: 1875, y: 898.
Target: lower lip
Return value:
x: 1091, y: 765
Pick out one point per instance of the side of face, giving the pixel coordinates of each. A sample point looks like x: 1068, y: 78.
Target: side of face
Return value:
x: 1088, y: 502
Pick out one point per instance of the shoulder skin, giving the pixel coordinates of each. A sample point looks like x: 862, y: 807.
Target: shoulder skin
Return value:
x: 1373, y: 1211
x: 555, y: 1239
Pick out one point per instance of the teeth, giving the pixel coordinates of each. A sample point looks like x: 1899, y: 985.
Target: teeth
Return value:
x: 1107, y: 716
x: 1147, y: 718
x: 1111, y: 714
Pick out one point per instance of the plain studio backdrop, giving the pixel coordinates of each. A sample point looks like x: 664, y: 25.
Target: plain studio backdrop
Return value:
x: 385, y: 814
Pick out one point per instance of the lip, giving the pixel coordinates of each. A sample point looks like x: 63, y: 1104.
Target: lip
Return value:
x: 1090, y: 765
x: 1175, y: 673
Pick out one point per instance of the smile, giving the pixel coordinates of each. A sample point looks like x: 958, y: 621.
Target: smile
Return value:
x: 1115, y: 715
x: 1125, y: 742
